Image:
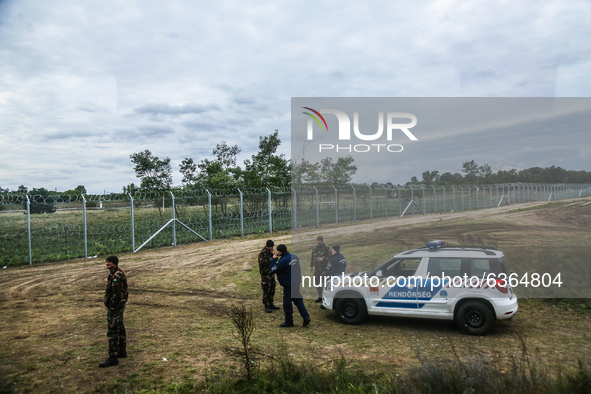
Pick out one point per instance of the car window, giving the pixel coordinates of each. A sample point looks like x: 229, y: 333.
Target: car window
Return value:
x: 483, y: 267
x: 401, y: 267
x: 444, y: 266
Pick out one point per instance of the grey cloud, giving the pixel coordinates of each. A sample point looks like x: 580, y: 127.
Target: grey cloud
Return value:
x: 68, y: 134
x: 243, y: 100
x: 175, y: 110
x: 202, y: 125
x: 141, y: 133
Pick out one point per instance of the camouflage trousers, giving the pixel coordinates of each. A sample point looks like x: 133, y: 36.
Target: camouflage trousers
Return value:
x: 319, y: 273
x: 268, y: 286
x: 116, y: 332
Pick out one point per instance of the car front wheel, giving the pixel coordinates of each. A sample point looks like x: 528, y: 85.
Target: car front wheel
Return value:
x: 351, y: 310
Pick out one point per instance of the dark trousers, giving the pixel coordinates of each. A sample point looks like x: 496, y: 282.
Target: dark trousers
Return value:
x: 115, y: 332
x: 297, y: 301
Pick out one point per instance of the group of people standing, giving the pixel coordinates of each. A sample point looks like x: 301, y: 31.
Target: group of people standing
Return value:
x: 325, y: 262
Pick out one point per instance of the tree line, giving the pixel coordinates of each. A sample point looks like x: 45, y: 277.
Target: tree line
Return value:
x: 474, y: 174
x: 266, y: 168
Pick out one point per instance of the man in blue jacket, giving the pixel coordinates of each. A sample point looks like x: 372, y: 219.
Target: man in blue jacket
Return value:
x: 289, y: 274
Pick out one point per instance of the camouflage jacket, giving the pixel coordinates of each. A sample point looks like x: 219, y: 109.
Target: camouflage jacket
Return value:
x: 265, y: 256
x: 320, y: 251
x: 116, y: 291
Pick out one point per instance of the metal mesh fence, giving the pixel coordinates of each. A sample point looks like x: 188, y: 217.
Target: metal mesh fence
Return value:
x: 60, y: 227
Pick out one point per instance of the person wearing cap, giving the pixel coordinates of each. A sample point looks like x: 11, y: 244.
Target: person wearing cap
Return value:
x: 320, y: 257
x: 267, y: 278
x: 289, y: 274
x: 115, y: 299
x: 337, y: 264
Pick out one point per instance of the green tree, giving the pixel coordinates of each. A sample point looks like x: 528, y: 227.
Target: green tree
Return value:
x: 189, y: 170
x: 266, y: 167
x: 131, y: 188
x: 41, y: 201
x: 431, y: 177
x: 222, y: 172
x: 305, y: 172
x: 339, y: 172
x: 470, y: 168
x: 80, y: 189
x: 155, y: 174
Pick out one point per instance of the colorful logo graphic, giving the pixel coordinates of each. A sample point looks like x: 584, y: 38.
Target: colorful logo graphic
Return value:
x: 315, y: 118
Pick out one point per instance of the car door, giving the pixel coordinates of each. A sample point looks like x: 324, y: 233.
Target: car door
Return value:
x: 396, y: 291
x: 434, y: 293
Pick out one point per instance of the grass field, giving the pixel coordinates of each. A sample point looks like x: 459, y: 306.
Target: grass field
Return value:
x: 53, y: 326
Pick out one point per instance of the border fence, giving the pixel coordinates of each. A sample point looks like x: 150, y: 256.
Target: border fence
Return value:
x: 57, y: 227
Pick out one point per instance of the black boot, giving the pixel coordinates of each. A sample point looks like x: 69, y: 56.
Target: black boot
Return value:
x: 122, y: 353
x: 111, y: 361
x: 273, y: 306
x: 267, y: 309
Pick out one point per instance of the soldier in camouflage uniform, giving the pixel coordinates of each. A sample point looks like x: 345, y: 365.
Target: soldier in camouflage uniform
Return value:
x: 267, y: 277
x: 320, y: 257
x: 115, y: 299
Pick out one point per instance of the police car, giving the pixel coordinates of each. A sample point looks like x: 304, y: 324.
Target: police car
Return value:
x: 465, y: 284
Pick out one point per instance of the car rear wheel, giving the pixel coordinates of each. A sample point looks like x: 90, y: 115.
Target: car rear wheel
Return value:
x: 474, y: 317
x: 351, y: 310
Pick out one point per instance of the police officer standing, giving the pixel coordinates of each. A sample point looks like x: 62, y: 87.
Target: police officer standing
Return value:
x: 115, y: 299
x: 337, y: 264
x: 267, y: 277
x: 289, y: 274
x: 320, y: 258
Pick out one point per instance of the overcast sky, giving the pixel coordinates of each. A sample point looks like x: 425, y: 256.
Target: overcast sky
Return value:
x: 83, y: 84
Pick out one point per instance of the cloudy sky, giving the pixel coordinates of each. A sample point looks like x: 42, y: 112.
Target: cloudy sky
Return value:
x: 83, y: 84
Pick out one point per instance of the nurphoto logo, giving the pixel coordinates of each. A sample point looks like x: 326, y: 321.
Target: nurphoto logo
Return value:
x: 392, y: 124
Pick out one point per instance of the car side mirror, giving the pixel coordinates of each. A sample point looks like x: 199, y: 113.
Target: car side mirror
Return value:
x: 379, y: 274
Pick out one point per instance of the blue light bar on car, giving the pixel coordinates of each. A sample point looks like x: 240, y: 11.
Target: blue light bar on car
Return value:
x: 436, y: 244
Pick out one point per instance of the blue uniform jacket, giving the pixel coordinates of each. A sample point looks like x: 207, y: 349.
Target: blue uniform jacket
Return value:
x: 287, y: 269
x: 337, y: 265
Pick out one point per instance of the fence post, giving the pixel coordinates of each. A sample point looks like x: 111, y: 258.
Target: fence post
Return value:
x: 354, y: 204
x: 209, y: 214
x: 84, y: 224
x: 412, y: 198
x: 444, y: 199
x: 424, y: 202
x: 270, y: 218
x: 29, y: 228
x: 317, y: 208
x: 132, y: 224
x: 370, y: 204
x: 336, y: 205
x: 399, y: 202
x: 241, y: 214
x: 173, y: 219
x: 434, y: 199
x: 294, y: 205
x: 385, y: 202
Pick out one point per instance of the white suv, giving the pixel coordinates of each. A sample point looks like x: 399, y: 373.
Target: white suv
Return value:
x: 468, y: 285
